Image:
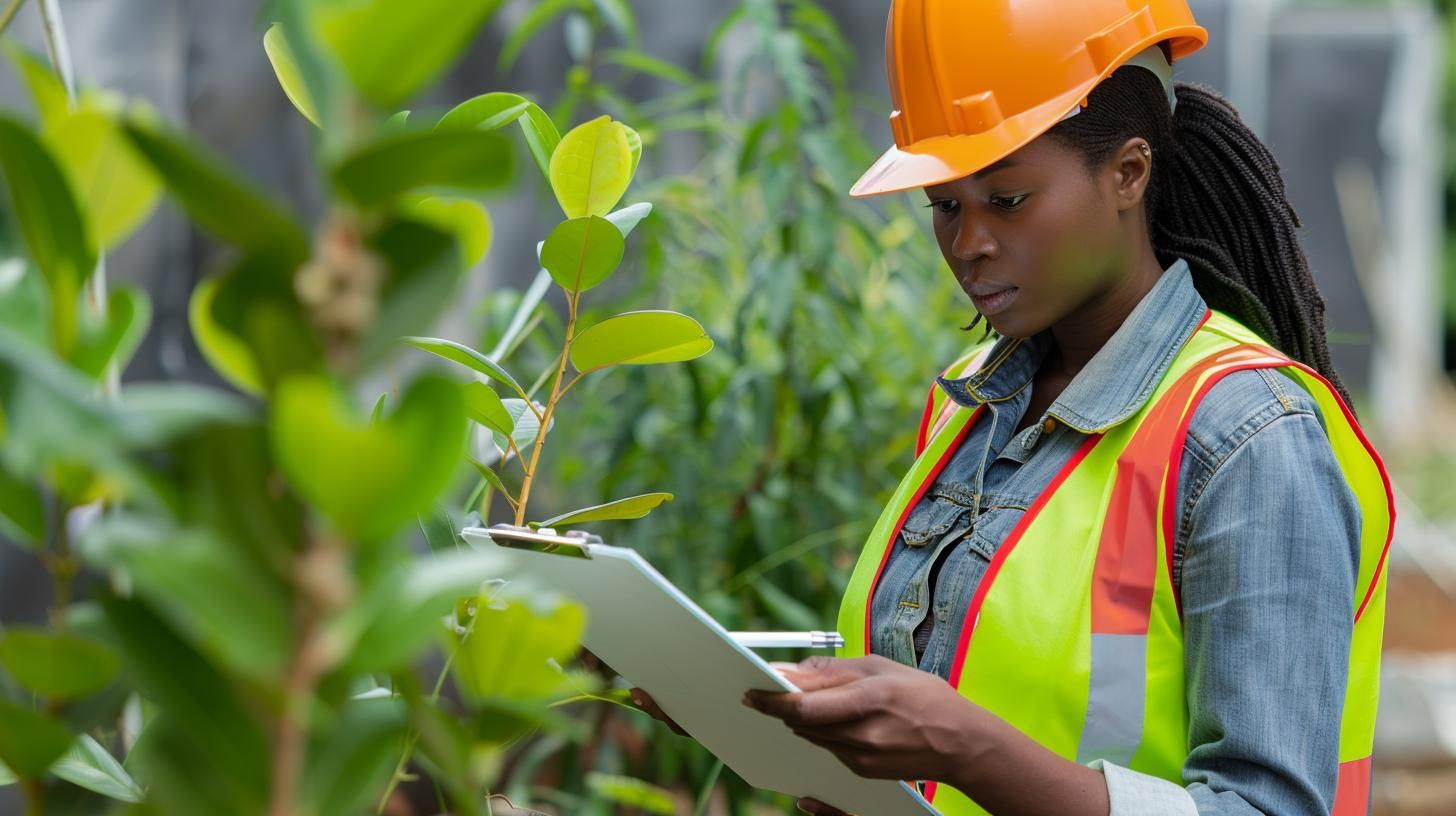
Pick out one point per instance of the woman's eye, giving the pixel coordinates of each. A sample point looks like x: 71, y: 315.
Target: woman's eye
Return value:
x: 944, y: 206
x: 1007, y: 203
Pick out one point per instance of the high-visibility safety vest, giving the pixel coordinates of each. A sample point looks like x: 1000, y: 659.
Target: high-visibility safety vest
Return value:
x: 1075, y: 635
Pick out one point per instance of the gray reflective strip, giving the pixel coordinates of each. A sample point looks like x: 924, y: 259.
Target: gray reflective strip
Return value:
x: 1114, y: 724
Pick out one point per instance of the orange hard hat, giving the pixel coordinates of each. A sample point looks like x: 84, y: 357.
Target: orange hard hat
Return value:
x: 973, y: 81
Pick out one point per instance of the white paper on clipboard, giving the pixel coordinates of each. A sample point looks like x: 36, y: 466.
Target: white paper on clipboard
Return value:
x: 657, y: 639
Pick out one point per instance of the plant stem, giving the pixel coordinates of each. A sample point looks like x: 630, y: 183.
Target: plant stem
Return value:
x: 550, y: 409
x: 323, y: 589
x: 9, y: 14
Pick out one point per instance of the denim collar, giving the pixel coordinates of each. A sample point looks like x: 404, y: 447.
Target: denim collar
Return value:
x: 1118, y: 380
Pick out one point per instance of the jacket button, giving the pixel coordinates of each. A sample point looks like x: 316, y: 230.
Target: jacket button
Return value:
x: 1049, y: 426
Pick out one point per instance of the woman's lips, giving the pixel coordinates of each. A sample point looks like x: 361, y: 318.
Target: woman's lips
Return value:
x: 996, y: 302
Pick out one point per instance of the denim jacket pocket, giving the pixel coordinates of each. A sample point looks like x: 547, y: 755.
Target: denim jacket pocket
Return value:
x: 941, y: 507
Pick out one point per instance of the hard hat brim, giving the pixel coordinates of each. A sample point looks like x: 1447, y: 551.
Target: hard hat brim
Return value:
x: 940, y: 159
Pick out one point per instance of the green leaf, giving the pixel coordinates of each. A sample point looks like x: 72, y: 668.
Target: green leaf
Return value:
x: 618, y: 14
x: 634, y: 147
x: 56, y: 665
x: 628, y: 218
x: 468, y: 357
x: 491, y: 477
x: 484, y: 405
x: 543, y: 13
x: 215, y: 199
x: 591, y: 168
x: 128, y: 313
x: 640, y: 338
x: 46, y: 91
x: 228, y: 355
x: 29, y: 740
x: 583, y: 252
x: 352, y: 762
x: 50, y: 219
x: 629, y: 508
x: 509, y: 653
x: 526, y: 426
x: 22, y: 513
x: 631, y: 793
x: 467, y: 220
x: 401, y: 163
x: 424, y: 271
x: 399, y: 615
x: 115, y: 187
x: 285, y: 67
x: 369, y: 480
x: 496, y: 110
x: 92, y: 767
x: 648, y: 64
x: 376, y: 415
x: 204, y: 585
x: 390, y: 50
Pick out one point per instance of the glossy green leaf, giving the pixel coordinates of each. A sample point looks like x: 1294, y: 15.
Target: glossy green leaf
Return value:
x: 29, y: 740
x: 377, y: 414
x: 640, y: 338
x: 406, y: 162
x: 24, y: 301
x: 591, y: 168
x: 496, y: 110
x: 90, y: 766
x: 55, y: 665
x: 484, y: 405
x: 285, y: 67
x: 204, y: 586
x: 508, y: 655
x: 629, y: 508
x: 631, y: 793
x: 218, y: 201
x: 539, y: 15
x: 583, y: 252
x: 467, y: 220
x: 22, y: 513
x: 399, y: 616
x: 468, y: 357
x: 46, y: 91
x: 634, y: 147
x: 390, y: 50
x: 228, y: 355
x: 115, y: 339
x: 369, y: 480
x: 116, y: 189
x: 51, y: 222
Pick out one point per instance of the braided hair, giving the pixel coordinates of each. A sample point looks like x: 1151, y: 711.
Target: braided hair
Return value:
x: 1216, y: 199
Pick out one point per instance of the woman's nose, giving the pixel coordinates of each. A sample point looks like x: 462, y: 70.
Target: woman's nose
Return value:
x: 973, y: 242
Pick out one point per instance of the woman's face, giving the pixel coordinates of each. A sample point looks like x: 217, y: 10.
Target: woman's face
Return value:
x: 1035, y: 237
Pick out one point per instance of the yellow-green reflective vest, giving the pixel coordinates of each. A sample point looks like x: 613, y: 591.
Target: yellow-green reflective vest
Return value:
x: 1054, y: 632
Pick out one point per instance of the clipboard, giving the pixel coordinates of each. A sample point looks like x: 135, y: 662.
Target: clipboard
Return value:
x: 657, y: 639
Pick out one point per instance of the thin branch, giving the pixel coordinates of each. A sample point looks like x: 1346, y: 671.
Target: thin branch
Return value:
x: 9, y: 14
x: 571, y: 302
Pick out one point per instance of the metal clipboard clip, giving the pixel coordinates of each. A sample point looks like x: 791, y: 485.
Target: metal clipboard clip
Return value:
x: 572, y: 544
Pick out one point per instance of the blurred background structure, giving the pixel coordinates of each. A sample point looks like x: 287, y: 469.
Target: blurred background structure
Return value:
x: 782, y: 445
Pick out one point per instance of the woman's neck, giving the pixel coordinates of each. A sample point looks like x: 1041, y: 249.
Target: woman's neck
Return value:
x: 1077, y: 338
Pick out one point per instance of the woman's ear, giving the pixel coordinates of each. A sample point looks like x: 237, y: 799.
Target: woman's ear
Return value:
x: 1132, y: 169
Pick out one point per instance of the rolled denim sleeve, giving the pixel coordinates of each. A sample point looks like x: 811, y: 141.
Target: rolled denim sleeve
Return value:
x: 1271, y: 549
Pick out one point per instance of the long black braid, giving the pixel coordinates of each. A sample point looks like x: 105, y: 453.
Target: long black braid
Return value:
x: 1216, y: 199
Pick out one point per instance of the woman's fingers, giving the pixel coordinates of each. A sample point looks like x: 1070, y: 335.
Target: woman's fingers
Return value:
x: 644, y: 701
x: 818, y: 808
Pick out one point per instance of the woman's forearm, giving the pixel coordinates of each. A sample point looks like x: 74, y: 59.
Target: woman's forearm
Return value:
x: 1010, y: 774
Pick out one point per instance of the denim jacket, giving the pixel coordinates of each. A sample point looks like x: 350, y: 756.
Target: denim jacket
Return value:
x: 1266, y: 555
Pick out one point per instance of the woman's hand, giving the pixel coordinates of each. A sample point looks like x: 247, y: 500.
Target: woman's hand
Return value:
x: 644, y: 701
x: 882, y: 719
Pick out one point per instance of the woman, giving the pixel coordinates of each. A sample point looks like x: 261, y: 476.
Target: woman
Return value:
x: 1146, y: 499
